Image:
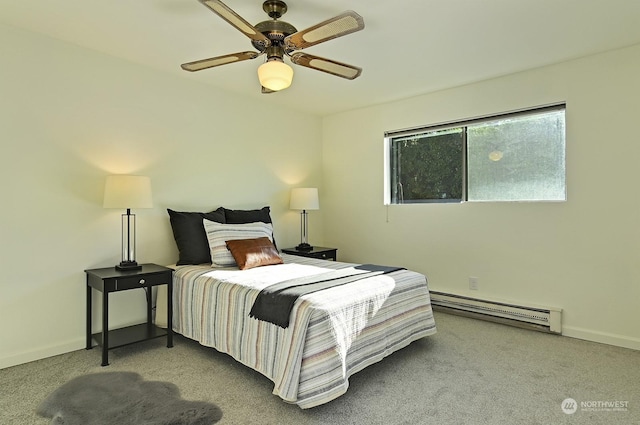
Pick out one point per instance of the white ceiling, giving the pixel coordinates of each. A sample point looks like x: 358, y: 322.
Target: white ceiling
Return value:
x: 408, y: 47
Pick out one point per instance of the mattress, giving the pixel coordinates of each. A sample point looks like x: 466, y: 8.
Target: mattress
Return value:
x: 333, y: 333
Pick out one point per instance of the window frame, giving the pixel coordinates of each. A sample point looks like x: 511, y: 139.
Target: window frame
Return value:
x: 390, y: 135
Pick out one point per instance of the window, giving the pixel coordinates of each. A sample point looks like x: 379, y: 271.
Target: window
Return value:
x: 511, y: 157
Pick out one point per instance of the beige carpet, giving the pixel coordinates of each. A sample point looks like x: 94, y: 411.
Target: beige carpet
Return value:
x: 470, y: 372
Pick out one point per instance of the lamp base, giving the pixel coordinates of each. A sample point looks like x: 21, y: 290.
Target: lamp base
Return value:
x: 128, y: 265
x: 304, y: 247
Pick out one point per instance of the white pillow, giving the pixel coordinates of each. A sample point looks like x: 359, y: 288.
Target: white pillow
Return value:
x: 218, y: 234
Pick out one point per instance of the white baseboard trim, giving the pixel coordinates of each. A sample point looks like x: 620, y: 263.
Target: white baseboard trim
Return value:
x: 41, y: 353
x: 601, y: 337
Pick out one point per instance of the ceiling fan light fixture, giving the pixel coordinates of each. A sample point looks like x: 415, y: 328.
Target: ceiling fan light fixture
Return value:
x: 275, y: 74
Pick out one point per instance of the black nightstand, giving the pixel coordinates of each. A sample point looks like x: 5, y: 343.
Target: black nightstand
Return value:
x: 109, y: 280
x: 317, y: 252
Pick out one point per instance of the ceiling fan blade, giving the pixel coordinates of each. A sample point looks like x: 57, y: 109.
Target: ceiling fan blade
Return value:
x: 218, y: 60
x: 343, y: 24
x: 236, y: 20
x: 327, y: 65
x: 266, y: 90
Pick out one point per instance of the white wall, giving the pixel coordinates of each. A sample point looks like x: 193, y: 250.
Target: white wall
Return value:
x: 581, y: 255
x: 68, y: 118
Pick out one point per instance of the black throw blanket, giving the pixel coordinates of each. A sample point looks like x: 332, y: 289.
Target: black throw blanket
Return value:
x: 275, y: 302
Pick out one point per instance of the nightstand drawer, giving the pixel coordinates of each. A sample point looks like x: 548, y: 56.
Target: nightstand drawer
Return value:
x: 124, y: 283
x: 318, y: 252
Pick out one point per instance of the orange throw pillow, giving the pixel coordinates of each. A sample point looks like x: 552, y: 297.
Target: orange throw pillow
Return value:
x: 250, y: 253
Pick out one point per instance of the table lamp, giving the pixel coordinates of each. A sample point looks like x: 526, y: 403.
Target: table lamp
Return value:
x: 304, y: 198
x: 123, y: 191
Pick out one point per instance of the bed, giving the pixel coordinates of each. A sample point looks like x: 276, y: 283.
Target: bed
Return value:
x: 330, y: 335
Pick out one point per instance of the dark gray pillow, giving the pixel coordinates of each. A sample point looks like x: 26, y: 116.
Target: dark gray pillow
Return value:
x: 191, y: 239
x: 247, y: 216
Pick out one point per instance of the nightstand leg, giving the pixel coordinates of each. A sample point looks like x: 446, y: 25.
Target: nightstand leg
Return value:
x: 170, y: 313
x: 89, y: 314
x: 105, y: 328
x: 149, y: 309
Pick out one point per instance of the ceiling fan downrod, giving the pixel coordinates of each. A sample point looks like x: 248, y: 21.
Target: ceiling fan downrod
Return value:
x: 274, y: 8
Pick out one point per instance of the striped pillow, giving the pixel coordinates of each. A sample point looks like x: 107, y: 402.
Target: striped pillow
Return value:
x: 218, y: 234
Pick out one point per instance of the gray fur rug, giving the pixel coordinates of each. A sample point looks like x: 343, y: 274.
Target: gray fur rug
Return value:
x: 124, y: 398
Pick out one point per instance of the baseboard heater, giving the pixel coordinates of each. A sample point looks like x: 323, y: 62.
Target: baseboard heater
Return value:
x: 545, y: 319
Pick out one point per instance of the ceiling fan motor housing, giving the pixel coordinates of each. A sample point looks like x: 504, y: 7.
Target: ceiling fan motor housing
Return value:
x: 275, y: 31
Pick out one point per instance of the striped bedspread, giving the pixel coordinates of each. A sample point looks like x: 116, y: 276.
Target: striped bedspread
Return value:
x: 333, y: 334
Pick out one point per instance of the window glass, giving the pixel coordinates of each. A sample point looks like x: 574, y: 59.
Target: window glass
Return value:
x: 428, y: 167
x: 510, y: 157
x: 517, y: 159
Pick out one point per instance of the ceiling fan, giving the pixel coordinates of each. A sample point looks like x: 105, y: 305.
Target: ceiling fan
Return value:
x: 275, y: 39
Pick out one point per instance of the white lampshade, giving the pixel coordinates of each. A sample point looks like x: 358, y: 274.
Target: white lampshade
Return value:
x: 275, y: 75
x: 304, y: 198
x: 122, y: 191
